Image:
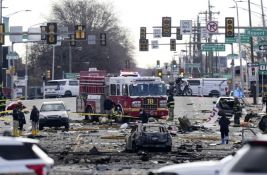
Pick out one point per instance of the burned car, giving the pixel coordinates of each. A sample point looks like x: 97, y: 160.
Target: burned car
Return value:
x: 149, y: 135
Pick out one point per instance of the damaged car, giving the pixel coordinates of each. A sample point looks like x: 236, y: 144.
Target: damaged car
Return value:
x: 149, y: 135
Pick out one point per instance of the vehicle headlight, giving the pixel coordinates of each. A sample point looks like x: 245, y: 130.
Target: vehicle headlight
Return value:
x: 65, y: 115
x: 163, y: 103
x: 136, y: 104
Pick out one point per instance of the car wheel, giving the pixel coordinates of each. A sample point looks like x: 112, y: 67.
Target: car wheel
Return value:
x: 68, y: 94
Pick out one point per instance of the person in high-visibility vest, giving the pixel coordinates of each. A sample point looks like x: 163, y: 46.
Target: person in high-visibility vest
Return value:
x: 171, y: 104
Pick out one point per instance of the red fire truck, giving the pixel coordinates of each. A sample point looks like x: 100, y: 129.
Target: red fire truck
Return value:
x: 129, y: 92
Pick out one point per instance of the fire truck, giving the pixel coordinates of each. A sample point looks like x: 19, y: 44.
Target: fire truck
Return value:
x: 129, y: 92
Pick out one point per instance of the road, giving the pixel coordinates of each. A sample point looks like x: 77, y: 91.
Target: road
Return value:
x: 91, y: 148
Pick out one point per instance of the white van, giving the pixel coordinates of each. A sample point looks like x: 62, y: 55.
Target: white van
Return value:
x: 208, y: 86
x: 62, y: 87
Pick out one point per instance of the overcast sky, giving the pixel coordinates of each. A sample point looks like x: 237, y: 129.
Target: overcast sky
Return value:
x: 134, y: 14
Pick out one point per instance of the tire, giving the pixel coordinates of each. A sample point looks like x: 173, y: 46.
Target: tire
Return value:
x: 188, y: 92
x: 68, y: 94
x: 214, y: 93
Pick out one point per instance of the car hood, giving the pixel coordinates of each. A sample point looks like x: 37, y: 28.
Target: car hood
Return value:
x: 193, y: 168
x: 54, y: 113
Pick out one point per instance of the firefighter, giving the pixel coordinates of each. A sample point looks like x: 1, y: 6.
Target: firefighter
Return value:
x: 237, y: 112
x: 22, y: 121
x: 171, y: 103
x: 15, y: 107
x: 108, y: 105
x: 143, y: 116
x: 224, y: 123
x: 34, y: 117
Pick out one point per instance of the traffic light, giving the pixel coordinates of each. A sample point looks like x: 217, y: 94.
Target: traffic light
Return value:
x: 158, y: 64
x: 159, y: 73
x: 48, y: 74
x: 80, y: 32
x: 51, y: 33
x: 72, y: 40
x: 173, y: 44
x: 229, y: 27
x: 142, y: 32
x: 2, y: 36
x: 178, y: 34
x: 166, y: 27
x: 103, y: 39
x: 43, y: 32
x: 143, y: 44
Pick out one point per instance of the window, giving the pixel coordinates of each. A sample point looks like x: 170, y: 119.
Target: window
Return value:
x: 113, y: 89
x: 253, y: 161
x: 125, y: 89
x: 194, y: 82
x: 118, y: 89
x: 17, y: 152
x: 73, y: 83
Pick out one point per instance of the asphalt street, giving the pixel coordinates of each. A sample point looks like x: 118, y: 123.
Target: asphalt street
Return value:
x: 90, y: 148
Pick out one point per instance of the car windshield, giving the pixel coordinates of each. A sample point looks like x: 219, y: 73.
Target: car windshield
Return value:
x: 253, y: 161
x: 52, y: 107
x: 147, y: 89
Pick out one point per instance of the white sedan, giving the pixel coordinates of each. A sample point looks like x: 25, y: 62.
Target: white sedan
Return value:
x: 23, y: 156
x: 194, y: 168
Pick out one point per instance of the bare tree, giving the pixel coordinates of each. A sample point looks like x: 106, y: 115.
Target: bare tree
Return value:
x: 97, y: 18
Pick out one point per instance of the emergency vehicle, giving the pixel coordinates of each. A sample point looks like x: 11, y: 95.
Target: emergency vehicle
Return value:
x: 129, y: 92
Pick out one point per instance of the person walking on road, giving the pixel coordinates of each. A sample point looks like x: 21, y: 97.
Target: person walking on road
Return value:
x: 143, y: 116
x: 171, y: 104
x: 237, y: 112
x: 34, y: 117
x: 224, y: 127
x: 15, y: 115
x: 22, y: 121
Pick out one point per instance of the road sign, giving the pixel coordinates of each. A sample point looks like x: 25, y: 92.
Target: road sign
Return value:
x: 262, y: 47
x: 204, y: 33
x: 252, y: 64
x: 262, y: 67
x: 213, y: 47
x: 157, y: 33
x: 256, y: 32
x: 212, y: 26
x: 91, y: 39
x: 12, y: 56
x: 154, y: 44
x: 186, y: 27
x: 243, y: 39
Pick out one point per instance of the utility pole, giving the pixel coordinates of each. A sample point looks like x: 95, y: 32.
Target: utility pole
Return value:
x: 262, y: 13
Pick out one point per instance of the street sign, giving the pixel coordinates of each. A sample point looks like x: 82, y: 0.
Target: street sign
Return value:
x: 15, y: 38
x: 262, y: 67
x: 243, y: 39
x: 252, y: 64
x: 262, y: 47
x: 204, y: 33
x: 212, y: 47
x: 186, y: 27
x: 212, y: 26
x: 157, y: 33
x: 256, y: 32
x: 12, y: 56
x: 91, y: 39
x: 154, y: 44
x: 63, y: 31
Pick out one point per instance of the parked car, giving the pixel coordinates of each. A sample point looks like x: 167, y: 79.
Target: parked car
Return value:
x: 213, y: 167
x: 23, y: 156
x: 250, y: 159
x: 53, y: 114
x: 149, y: 135
x: 62, y: 87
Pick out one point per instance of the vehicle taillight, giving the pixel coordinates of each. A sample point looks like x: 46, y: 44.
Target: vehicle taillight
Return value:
x: 38, y: 169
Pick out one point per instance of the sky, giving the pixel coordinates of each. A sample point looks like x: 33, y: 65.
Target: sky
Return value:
x: 134, y: 14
